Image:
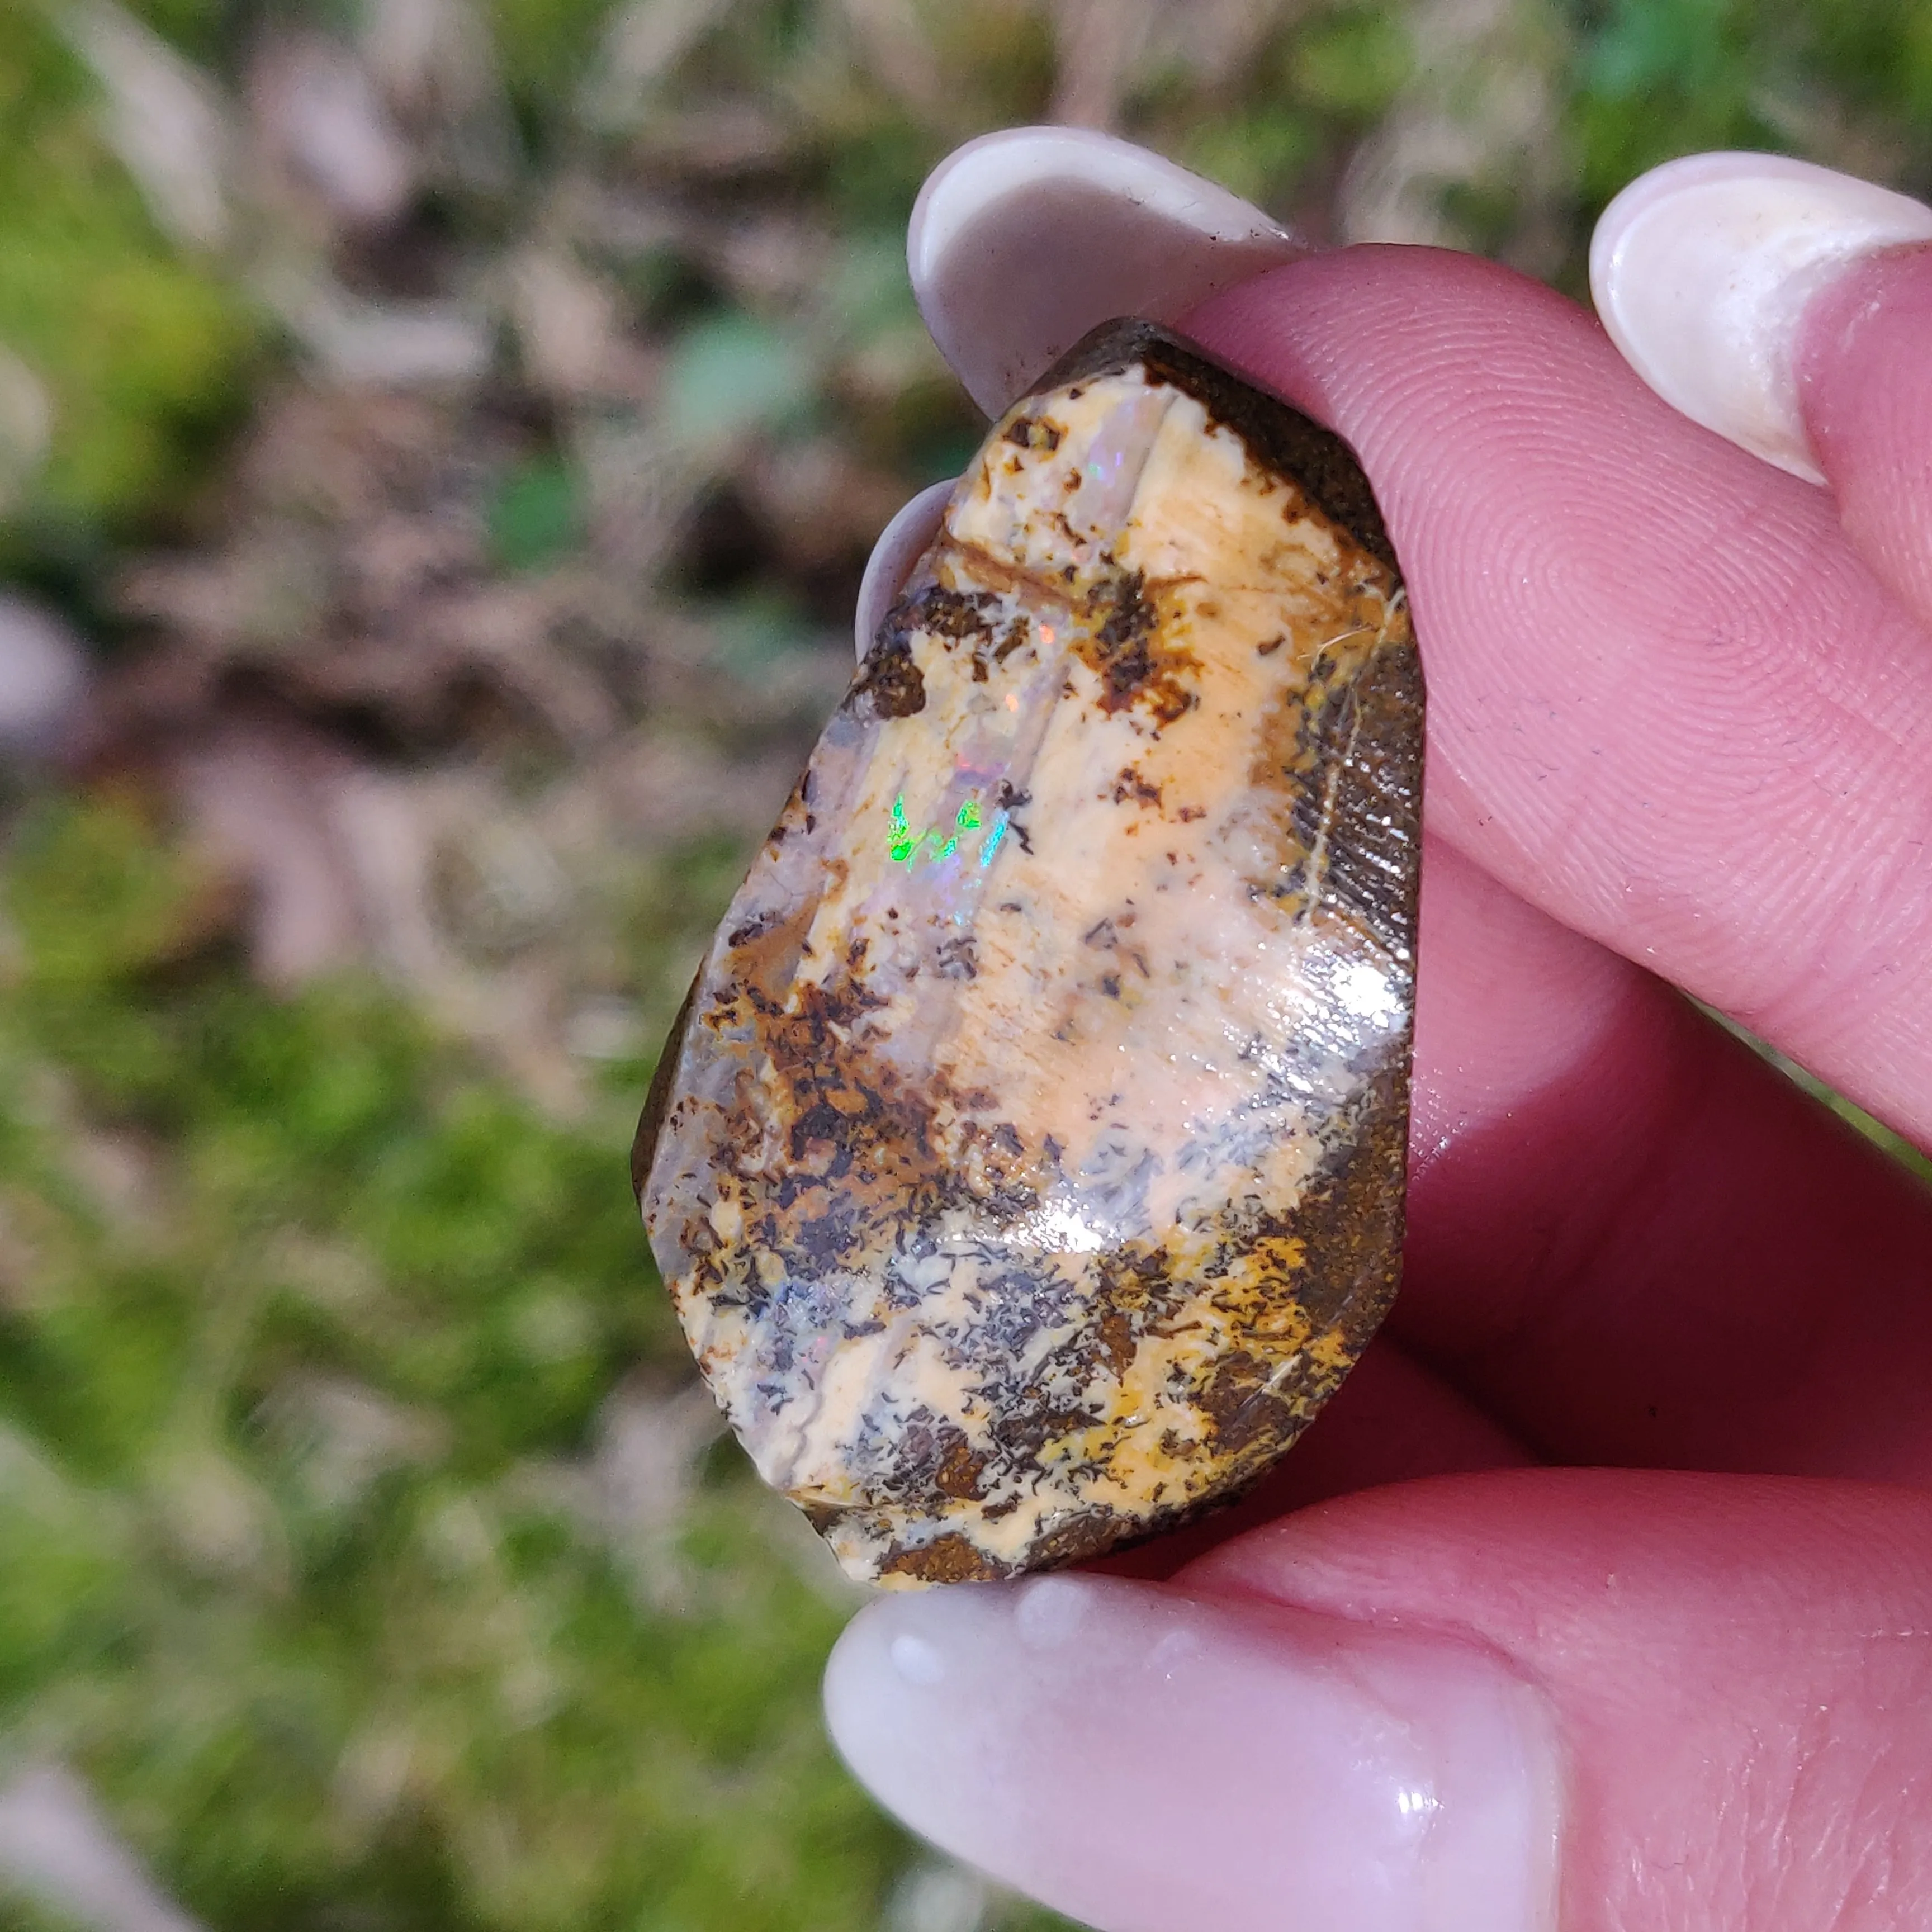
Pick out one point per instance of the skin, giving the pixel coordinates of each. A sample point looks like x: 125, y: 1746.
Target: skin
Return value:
x: 1663, y: 1348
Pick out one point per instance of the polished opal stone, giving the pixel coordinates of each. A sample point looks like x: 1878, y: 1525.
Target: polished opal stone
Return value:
x: 1027, y: 1166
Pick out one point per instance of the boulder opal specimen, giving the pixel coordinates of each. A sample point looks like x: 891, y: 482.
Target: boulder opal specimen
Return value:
x: 1026, y: 1165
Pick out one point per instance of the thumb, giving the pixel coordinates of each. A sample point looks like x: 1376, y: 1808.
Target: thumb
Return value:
x: 1518, y: 1702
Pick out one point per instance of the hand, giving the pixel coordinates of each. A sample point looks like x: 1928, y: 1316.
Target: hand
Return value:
x: 1649, y: 1645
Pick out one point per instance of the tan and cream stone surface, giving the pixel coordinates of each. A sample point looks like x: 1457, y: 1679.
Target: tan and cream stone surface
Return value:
x: 1027, y: 1165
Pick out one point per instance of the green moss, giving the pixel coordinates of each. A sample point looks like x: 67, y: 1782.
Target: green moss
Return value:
x: 1310, y: 90
x: 536, y: 518
x: 544, y: 46
x: 1660, y: 78
x: 1354, y: 63
x: 1878, y: 55
x: 202, y: 29
x: 144, y: 355
x: 1654, y: 79
x: 18, y: 1913
x: 295, y: 1450
x: 1258, y: 154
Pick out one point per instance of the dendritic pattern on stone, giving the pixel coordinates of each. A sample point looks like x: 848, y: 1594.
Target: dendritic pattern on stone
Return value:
x: 1027, y: 1166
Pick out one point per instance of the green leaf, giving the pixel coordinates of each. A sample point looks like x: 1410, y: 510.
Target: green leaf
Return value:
x: 731, y: 375
x: 537, y: 518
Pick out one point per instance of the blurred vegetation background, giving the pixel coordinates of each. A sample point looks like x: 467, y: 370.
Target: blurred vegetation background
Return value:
x: 439, y: 441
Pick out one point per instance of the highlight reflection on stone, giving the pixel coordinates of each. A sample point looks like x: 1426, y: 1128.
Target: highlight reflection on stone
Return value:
x: 1027, y: 1165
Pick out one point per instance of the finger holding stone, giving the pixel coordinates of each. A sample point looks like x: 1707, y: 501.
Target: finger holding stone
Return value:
x: 1621, y: 1221
x: 1737, y: 1669
x: 1669, y: 704
x: 1148, y: 1760
x: 1864, y: 1036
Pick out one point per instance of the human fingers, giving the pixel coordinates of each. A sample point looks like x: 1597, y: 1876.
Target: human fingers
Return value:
x: 1668, y: 703
x: 1530, y: 1701
x: 1788, y: 308
x: 1630, y: 1239
x: 1555, y: 1086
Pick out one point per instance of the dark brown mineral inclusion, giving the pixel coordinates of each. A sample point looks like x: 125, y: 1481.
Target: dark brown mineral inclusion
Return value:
x: 1027, y: 1165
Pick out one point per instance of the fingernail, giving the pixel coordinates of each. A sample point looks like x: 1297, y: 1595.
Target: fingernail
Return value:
x: 1022, y: 241
x: 901, y: 544
x: 1701, y: 269
x: 1146, y: 1762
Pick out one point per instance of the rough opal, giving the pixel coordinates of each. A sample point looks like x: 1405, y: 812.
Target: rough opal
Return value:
x: 1027, y: 1164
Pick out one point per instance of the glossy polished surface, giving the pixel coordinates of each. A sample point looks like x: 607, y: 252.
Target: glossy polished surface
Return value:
x: 1027, y: 1166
